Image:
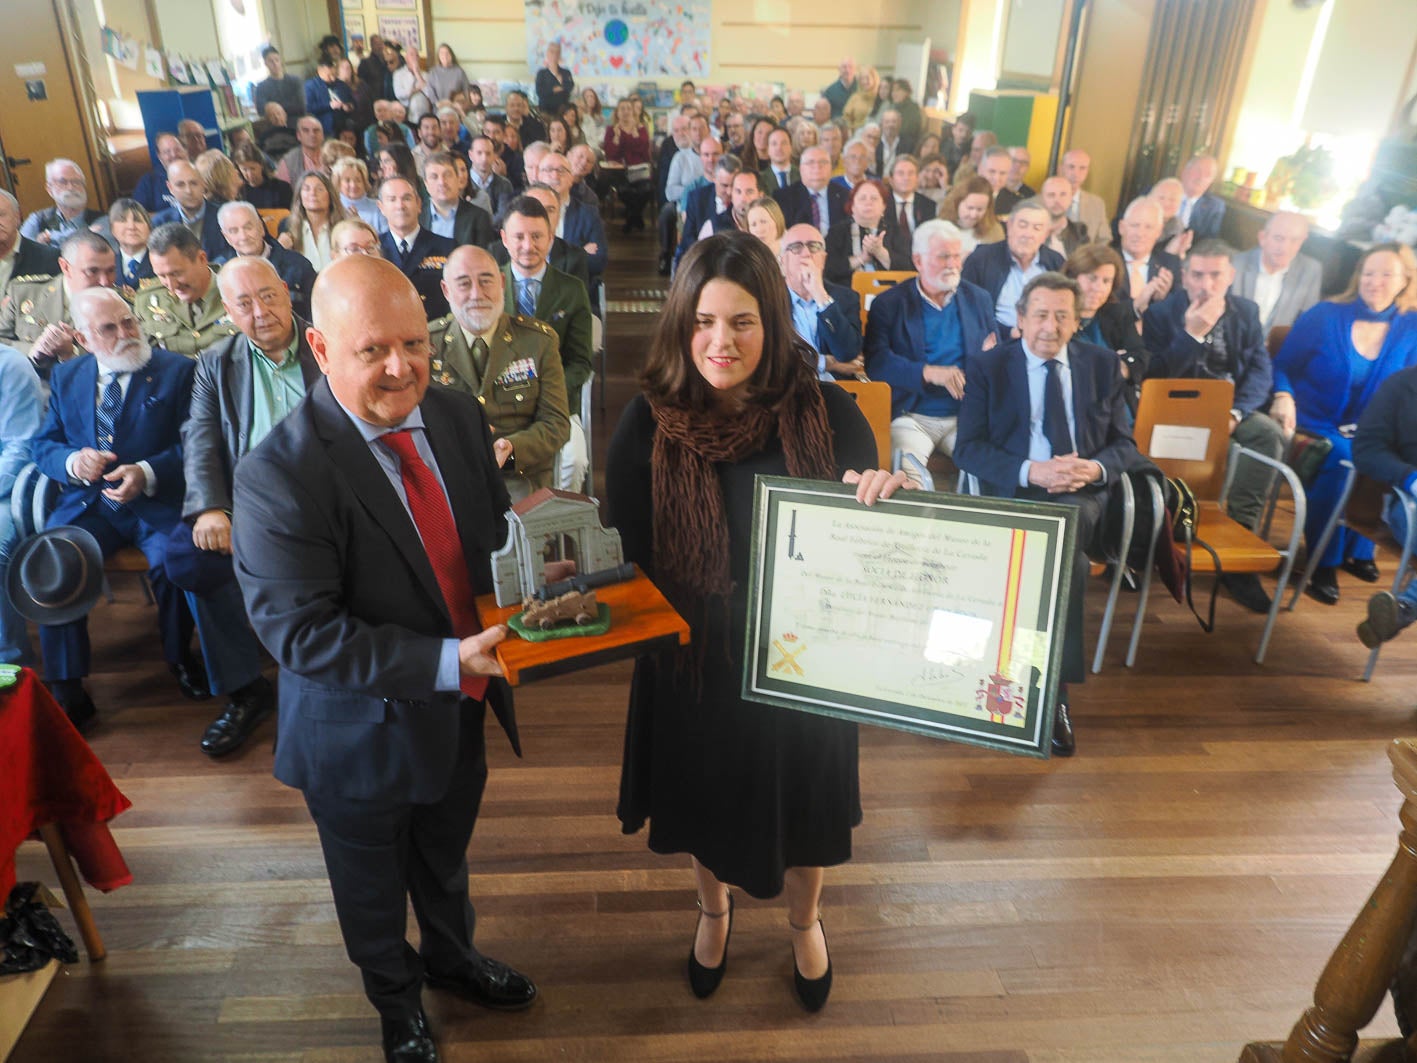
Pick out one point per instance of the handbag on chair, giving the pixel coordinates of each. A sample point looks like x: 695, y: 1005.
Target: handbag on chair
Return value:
x: 1307, y: 453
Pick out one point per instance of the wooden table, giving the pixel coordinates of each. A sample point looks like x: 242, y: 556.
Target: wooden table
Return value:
x: 640, y: 620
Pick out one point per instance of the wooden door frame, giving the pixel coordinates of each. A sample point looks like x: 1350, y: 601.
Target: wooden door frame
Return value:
x: 100, y: 160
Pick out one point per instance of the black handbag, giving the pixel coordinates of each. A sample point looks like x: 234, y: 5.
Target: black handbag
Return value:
x: 1307, y: 453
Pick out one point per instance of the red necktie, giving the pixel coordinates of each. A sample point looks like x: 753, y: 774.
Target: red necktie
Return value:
x: 904, y: 219
x: 434, y: 519
x: 816, y: 214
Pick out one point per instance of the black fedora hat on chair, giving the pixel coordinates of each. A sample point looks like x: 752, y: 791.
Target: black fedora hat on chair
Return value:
x: 56, y: 577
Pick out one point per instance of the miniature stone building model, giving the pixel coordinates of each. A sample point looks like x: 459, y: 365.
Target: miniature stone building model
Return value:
x: 547, y: 514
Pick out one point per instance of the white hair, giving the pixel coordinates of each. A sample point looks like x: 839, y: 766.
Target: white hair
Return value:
x: 1168, y: 182
x: 53, y: 165
x: 83, y: 304
x: 232, y: 270
x: 940, y: 229
x: 1144, y: 203
x: 6, y: 197
x: 234, y: 207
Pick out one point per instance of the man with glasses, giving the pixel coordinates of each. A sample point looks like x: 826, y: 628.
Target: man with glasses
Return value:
x: 827, y: 316
x: 813, y: 200
x: 579, y: 225
x: 354, y: 236
x: 69, y: 189
x: 244, y: 386
x: 35, y: 316
x: 244, y: 230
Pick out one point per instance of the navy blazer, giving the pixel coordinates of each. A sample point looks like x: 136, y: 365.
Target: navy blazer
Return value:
x: 424, y: 266
x: 583, y: 226
x: 701, y: 206
x: 839, y: 325
x: 342, y: 593
x: 995, y: 418
x: 471, y: 224
x: 130, y: 282
x: 796, y: 204
x: 895, y: 339
x: 213, y: 243
x: 988, y: 266
x: 921, y: 206
x: 1158, y: 261
x: 1206, y: 216
x: 149, y: 428
x: 1175, y: 355
x: 1385, y: 447
x: 151, y: 190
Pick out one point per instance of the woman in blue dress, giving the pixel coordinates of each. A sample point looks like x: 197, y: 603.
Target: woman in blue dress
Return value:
x: 1332, y: 361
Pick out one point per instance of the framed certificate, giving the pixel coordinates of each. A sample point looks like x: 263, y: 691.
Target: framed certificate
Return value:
x: 938, y: 614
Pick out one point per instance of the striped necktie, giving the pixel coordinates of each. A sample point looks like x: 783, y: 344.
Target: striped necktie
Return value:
x: 108, y: 407
x: 527, y: 292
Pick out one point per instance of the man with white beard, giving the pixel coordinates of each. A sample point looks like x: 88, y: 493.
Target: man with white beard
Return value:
x: 69, y: 189
x: 112, y: 436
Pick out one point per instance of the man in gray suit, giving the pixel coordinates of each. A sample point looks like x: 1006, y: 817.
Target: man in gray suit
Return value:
x: 1281, y: 281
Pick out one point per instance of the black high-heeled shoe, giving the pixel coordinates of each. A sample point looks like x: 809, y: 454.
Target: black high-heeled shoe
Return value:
x: 704, y: 980
x: 812, y: 992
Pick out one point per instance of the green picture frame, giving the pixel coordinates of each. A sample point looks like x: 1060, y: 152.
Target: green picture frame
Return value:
x: 938, y: 614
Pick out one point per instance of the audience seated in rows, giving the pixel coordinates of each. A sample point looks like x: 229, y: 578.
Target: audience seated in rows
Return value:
x: 1003, y: 269
x: 826, y: 316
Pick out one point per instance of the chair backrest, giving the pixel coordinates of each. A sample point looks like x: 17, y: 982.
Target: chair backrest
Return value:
x: 1184, y: 427
x: 1275, y: 340
x: 1366, y: 503
x: 870, y: 283
x: 874, y: 399
x: 273, y: 216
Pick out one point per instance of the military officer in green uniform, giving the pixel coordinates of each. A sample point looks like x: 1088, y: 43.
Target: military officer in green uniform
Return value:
x: 535, y: 288
x: 512, y: 363
x: 34, y: 318
x: 185, y: 313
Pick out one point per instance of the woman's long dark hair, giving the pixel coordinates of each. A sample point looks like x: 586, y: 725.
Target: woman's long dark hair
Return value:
x: 670, y: 377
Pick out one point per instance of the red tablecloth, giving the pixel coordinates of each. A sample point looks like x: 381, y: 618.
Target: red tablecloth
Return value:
x: 48, y: 774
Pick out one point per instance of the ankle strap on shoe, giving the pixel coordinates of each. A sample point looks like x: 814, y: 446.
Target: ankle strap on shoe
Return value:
x: 809, y: 926
x: 713, y: 915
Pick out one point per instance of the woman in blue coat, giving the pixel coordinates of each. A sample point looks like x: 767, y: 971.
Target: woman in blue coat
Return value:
x: 1332, y: 361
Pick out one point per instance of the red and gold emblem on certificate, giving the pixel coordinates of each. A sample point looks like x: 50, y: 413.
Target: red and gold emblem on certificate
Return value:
x: 788, y: 650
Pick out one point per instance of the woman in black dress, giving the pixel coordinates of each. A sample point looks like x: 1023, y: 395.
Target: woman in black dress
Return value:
x: 762, y: 798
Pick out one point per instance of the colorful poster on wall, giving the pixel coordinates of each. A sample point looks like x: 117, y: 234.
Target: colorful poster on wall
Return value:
x: 402, y: 28
x: 622, y: 38
x: 354, y: 33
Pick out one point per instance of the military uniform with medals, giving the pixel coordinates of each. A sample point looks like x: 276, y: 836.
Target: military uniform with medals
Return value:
x: 522, y: 388
x: 31, y: 304
x: 169, y: 322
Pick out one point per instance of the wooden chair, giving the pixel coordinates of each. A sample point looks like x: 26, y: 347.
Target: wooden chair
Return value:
x: 874, y: 399
x: 1184, y: 427
x: 273, y: 216
x: 870, y: 283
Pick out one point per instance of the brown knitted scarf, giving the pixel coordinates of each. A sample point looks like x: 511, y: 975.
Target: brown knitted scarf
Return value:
x: 690, y: 526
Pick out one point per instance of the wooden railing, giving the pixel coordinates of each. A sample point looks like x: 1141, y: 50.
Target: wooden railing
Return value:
x: 1377, y: 954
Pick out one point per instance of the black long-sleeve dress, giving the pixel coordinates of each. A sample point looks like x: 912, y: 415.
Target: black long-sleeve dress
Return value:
x: 748, y: 789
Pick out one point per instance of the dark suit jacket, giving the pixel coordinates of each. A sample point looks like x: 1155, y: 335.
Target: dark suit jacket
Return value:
x: 667, y: 150
x: 702, y: 205
x: 796, y: 204
x: 33, y: 259
x: 564, y: 304
x: 1206, y: 216
x: 1007, y: 199
x: 217, y: 431
x: 1174, y: 354
x: 839, y: 325
x: 151, y: 190
x: 838, y: 268
x: 995, y: 416
x: 768, y: 179
x: 563, y: 256
x: 988, y: 266
x: 583, y: 226
x: 342, y: 594
x: 471, y: 224
x: 895, y: 339
x: 213, y: 243
x: 922, y: 207
x: 1159, y: 260
x: 423, y: 266
x: 148, y: 429
x: 499, y: 191
x: 129, y: 283
x: 1385, y: 447
x: 291, y: 266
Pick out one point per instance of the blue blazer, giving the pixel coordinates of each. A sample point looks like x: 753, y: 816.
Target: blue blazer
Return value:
x: 129, y: 283
x: 1385, y: 447
x: 995, y: 416
x: 839, y: 325
x: 700, y: 207
x: 988, y: 266
x: 796, y: 204
x: 213, y: 243
x: 1206, y: 216
x: 1175, y: 355
x: 151, y: 190
x: 423, y: 266
x: 149, y: 428
x: 1313, y: 364
x: 895, y: 339
x: 583, y: 226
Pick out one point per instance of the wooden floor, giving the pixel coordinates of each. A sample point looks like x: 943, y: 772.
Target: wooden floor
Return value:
x: 1164, y: 897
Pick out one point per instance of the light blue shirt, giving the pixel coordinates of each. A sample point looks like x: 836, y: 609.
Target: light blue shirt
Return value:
x: 1036, y: 372
x: 441, y: 224
x: 449, y: 677
x: 1006, y: 306
x: 804, y: 322
x: 21, y: 415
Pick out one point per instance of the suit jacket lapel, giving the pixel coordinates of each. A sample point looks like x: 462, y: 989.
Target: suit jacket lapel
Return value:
x: 915, y: 320
x: 1016, y: 384
x: 452, y: 463
x: 1081, y: 373
x: 366, y: 479
x: 140, y: 387
x: 86, y: 381
x: 239, y: 395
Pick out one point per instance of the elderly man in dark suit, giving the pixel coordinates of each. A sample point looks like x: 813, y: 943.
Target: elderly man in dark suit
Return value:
x: 1044, y: 418
x: 920, y: 335
x: 813, y: 199
x: 1204, y: 330
x: 1150, y: 272
x: 704, y: 203
x: 244, y: 387
x: 1003, y: 268
x: 827, y: 316
x: 1282, y: 282
x: 364, y: 527
x: 244, y: 230
x: 1202, y: 212
x: 418, y: 253
x: 19, y: 255
x: 579, y: 224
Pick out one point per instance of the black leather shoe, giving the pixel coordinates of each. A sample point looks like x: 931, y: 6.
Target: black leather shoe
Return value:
x: 489, y: 983
x: 812, y: 992
x: 191, y: 676
x: 75, y: 701
x: 246, y: 709
x: 1248, y: 591
x: 408, y: 1040
x: 704, y: 980
x: 1324, y: 586
x: 1367, y: 571
x: 1064, y: 745
x: 1386, y: 617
